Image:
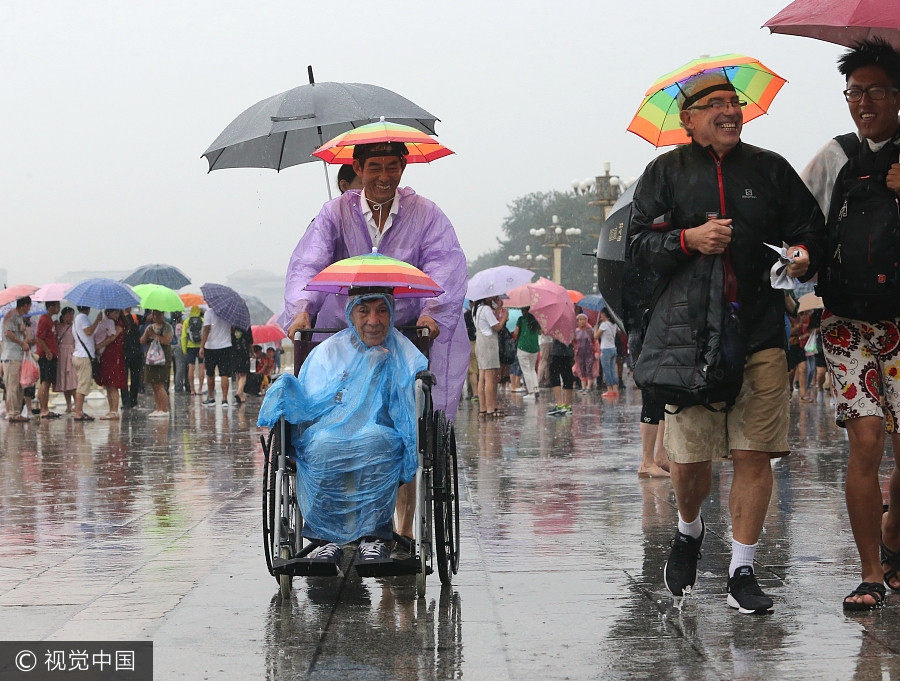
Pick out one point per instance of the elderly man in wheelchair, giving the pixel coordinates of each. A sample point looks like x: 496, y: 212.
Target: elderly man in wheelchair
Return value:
x: 352, y: 416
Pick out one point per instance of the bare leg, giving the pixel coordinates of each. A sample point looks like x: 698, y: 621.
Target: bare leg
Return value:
x: 160, y: 397
x: 490, y: 389
x: 69, y: 395
x: 750, y: 494
x: 692, y: 482
x: 79, y: 405
x: 648, y: 468
x: 44, y: 397
x: 863, y: 495
x: 406, y: 509
x: 660, y: 455
x: 190, y: 371
x: 223, y: 382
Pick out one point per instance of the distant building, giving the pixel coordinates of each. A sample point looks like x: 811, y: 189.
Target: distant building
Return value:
x: 76, y: 276
x: 266, y: 286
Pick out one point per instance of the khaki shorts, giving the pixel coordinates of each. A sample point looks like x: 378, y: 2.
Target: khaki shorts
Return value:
x: 758, y: 421
x: 83, y: 371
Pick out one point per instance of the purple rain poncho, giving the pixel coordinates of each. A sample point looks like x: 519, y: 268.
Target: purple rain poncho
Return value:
x: 422, y: 236
x: 353, y: 413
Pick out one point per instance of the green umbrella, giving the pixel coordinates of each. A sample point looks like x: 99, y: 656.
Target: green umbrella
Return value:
x: 156, y: 297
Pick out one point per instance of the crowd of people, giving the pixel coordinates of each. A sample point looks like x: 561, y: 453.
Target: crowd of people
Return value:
x: 525, y: 360
x: 125, y: 354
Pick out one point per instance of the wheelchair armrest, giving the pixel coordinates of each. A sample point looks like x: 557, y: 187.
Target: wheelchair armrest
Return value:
x: 427, y: 377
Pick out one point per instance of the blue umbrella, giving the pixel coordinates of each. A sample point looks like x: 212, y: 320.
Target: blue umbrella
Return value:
x: 593, y: 301
x: 514, y: 314
x: 227, y: 303
x: 164, y: 275
x: 103, y: 294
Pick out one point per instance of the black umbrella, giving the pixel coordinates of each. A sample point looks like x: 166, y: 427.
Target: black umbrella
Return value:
x: 285, y: 129
x: 164, y: 275
x: 259, y: 311
x: 611, y: 248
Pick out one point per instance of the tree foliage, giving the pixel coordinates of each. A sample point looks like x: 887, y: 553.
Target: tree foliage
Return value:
x: 536, y: 210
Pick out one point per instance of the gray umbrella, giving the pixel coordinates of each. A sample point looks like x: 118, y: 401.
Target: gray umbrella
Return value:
x: 259, y: 311
x: 164, y: 275
x: 284, y: 130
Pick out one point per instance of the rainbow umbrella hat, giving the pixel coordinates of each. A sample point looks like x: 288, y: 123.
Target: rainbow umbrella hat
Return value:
x: 423, y: 148
x: 374, y: 269
x: 658, y: 118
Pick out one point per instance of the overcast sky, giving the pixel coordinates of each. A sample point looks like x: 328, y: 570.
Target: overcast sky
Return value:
x: 107, y: 106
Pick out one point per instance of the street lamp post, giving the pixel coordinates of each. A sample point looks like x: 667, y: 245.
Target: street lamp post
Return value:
x: 606, y: 188
x: 557, y: 238
x: 528, y: 260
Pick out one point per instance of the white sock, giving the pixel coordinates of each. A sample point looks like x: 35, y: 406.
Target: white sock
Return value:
x: 691, y: 529
x: 741, y: 554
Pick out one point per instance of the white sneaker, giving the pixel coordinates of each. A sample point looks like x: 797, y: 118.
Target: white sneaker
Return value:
x: 528, y: 396
x: 158, y: 414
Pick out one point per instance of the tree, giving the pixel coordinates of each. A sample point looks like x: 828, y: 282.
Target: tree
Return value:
x: 537, y: 210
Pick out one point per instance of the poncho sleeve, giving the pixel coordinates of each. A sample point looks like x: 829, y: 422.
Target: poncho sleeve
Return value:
x: 444, y: 261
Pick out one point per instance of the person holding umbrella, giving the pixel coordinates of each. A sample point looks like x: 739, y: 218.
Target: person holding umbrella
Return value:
x: 401, y: 224
x: 856, y: 179
x: 726, y: 199
x: 158, y: 361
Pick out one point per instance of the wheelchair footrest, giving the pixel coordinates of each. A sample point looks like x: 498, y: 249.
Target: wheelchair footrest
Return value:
x: 305, y: 567
x: 389, y: 568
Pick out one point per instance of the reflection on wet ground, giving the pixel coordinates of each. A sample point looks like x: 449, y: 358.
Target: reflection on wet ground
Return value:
x: 142, y: 529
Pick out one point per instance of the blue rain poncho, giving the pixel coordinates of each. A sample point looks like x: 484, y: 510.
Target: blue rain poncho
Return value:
x: 353, y: 408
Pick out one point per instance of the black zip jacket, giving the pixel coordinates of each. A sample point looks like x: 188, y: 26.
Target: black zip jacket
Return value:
x: 767, y: 202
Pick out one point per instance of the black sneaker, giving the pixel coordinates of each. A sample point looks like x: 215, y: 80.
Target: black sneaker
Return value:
x: 745, y: 595
x: 331, y: 553
x: 372, y: 550
x: 209, y: 402
x: 680, y: 572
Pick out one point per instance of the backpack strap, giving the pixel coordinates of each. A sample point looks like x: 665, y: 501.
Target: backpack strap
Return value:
x: 850, y: 144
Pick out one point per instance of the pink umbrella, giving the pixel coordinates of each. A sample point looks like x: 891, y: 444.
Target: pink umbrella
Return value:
x: 267, y: 333
x: 274, y: 318
x: 553, y: 308
x: 50, y: 292
x: 840, y: 21
x: 519, y: 296
x: 15, y: 292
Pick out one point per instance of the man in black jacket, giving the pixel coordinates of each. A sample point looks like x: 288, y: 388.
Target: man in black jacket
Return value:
x: 861, y: 342
x: 727, y: 198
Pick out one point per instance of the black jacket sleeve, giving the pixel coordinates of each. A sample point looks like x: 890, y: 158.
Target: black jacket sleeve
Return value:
x: 656, y: 250
x: 803, y: 223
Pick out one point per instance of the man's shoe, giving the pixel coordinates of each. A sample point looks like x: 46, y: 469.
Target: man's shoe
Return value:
x: 680, y: 571
x: 372, y: 550
x: 557, y: 410
x: 745, y: 595
x: 331, y: 553
x: 209, y: 402
x: 528, y: 396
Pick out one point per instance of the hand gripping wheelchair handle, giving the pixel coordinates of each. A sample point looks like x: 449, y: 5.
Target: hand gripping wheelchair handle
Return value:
x: 427, y: 378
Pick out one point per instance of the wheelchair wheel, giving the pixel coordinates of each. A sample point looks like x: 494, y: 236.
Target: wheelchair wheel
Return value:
x: 280, y: 507
x: 445, y: 499
x: 284, y: 581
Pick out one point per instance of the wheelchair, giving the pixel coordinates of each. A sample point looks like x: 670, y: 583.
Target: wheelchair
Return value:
x: 436, y: 521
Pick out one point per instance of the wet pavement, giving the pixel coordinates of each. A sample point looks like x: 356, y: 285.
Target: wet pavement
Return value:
x: 148, y: 529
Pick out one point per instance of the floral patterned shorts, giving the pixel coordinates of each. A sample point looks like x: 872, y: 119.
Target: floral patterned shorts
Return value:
x: 864, y: 361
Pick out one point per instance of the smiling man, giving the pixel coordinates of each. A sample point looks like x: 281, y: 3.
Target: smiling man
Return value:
x: 856, y: 179
x: 403, y: 225
x: 724, y: 198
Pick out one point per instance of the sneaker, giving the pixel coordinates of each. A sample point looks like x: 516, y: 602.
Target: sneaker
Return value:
x: 744, y: 593
x: 556, y: 410
x: 158, y: 414
x: 519, y: 390
x: 567, y: 408
x: 209, y: 402
x: 331, y: 553
x: 528, y: 396
x: 371, y: 550
x: 680, y: 571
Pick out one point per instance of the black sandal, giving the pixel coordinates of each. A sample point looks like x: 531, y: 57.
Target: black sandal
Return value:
x: 892, y: 560
x: 873, y: 589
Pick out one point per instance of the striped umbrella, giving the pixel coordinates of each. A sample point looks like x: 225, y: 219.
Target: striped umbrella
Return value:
x: 658, y: 118
x: 422, y: 148
x: 375, y: 269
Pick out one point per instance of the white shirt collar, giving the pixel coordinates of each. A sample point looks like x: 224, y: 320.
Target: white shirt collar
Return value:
x: 367, y: 210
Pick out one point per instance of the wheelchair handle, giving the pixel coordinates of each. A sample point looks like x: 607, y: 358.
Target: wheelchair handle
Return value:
x: 303, y: 342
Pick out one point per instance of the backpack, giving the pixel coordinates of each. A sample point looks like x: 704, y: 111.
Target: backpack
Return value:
x: 195, y: 329
x: 694, y: 351
x: 861, y: 279
x: 507, y: 345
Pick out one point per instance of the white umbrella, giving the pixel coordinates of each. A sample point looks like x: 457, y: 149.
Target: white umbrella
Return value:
x: 497, y: 281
